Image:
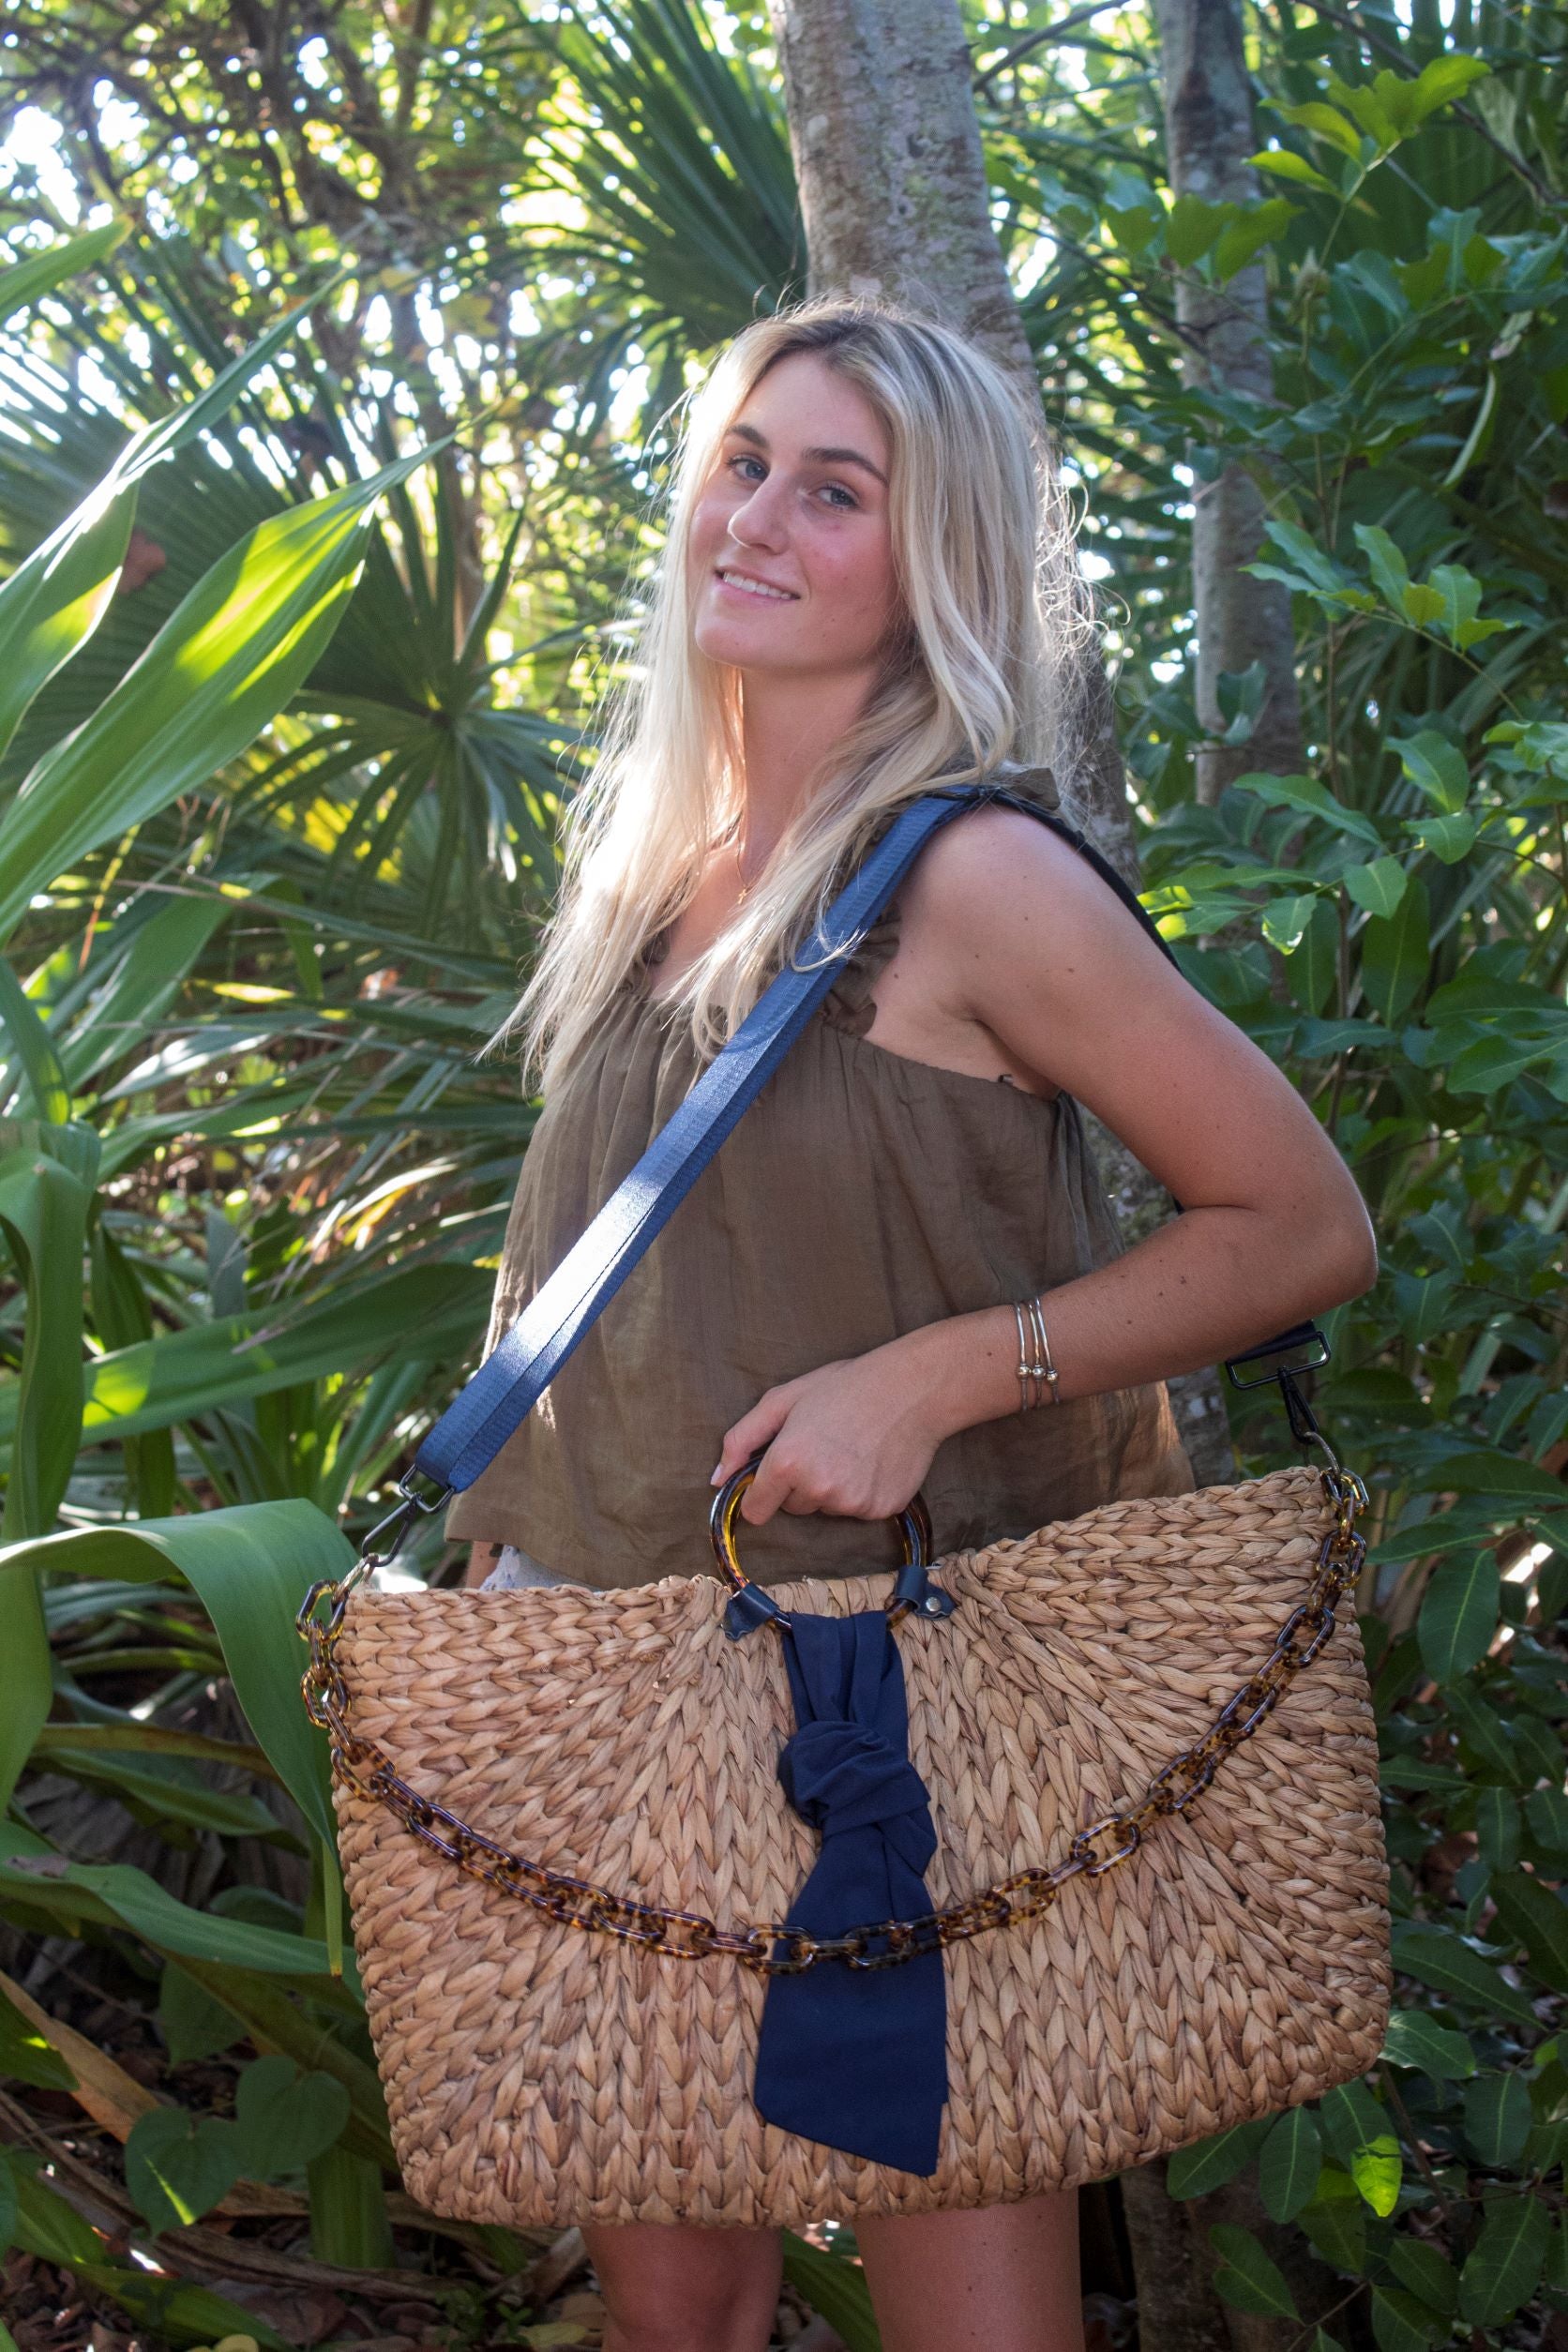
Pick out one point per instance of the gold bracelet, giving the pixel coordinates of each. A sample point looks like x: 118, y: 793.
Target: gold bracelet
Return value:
x: 1042, y: 1346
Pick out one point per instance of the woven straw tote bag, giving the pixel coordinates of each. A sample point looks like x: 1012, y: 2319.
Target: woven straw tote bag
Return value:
x: 1100, y: 1867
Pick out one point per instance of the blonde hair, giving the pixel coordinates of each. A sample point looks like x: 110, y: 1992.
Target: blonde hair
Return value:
x: 983, y: 556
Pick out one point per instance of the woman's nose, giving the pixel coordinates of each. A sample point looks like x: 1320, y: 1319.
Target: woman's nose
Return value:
x: 759, y: 520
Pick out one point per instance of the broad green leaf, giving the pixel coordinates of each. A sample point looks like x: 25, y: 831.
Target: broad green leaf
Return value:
x: 1311, y: 570
x: 1503, y: 2267
x: 1485, y: 1731
x: 1422, y: 1304
x: 1461, y: 594
x: 1426, y: 2272
x: 56, y: 598
x: 23, y: 279
x: 1449, y: 838
x: 43, y: 1209
x: 25, y: 2057
x: 1248, y: 2278
x: 1416, y: 2039
x: 180, y: 1375
x: 1554, y: 2271
x: 1489, y: 1471
x: 181, y: 2313
x: 1285, y: 921
x: 1395, y: 953
x: 1498, y: 1828
x: 1359, y: 2133
x: 1191, y: 227
x: 1547, y: 1812
x: 193, y: 2024
x: 1438, y: 1957
x: 1312, y: 972
x: 348, y: 2212
x: 1459, y: 1616
x: 1402, y: 2323
x: 835, y: 2289
x: 1437, y: 767
x: 1325, y: 122
x: 1313, y: 799
x: 43, y: 1212
x: 1534, y: 1915
x: 1438, y: 83
x: 179, y: 2165
x: 286, y: 2118
x: 1497, y: 2118
x: 1254, y: 226
x: 168, y: 1789
x: 1364, y: 104
x: 1493, y: 1062
x: 1241, y: 695
x: 1379, y: 886
x: 1385, y: 560
x: 142, y: 982
x: 117, y: 1894
x: 275, y: 2022
x: 45, y: 2224
x: 1335, y: 2221
x: 39, y: 1063
x: 1191, y: 2172
x: 1283, y: 163
x: 222, y: 666
x: 1481, y: 995
x: 1292, y: 2159
x: 250, y: 1567
x: 52, y: 603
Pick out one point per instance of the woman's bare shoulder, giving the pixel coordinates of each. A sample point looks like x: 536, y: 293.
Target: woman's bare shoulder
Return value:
x: 996, y: 883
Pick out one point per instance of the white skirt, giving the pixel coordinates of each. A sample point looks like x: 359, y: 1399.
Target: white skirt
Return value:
x: 515, y: 1568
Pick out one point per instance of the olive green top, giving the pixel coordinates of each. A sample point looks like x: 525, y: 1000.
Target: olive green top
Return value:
x: 862, y: 1194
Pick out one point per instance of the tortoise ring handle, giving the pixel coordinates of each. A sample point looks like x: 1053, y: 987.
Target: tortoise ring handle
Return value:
x: 912, y: 1587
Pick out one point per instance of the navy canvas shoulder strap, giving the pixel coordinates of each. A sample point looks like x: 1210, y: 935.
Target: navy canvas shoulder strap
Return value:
x: 521, y: 1366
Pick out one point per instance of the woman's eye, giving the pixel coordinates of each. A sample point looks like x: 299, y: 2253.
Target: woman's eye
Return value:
x: 746, y: 466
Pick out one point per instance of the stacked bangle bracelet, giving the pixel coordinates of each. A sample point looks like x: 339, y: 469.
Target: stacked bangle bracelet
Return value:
x: 1041, y: 1369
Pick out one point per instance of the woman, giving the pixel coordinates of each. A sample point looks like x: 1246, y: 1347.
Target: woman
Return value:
x: 866, y: 592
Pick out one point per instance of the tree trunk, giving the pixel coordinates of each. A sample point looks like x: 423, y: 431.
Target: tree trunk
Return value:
x: 1178, y: 2310
x: 1209, y: 136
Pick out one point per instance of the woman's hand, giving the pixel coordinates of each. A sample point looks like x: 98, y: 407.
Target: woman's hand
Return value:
x: 854, y: 1437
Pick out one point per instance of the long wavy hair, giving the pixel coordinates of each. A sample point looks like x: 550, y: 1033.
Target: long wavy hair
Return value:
x: 995, y: 617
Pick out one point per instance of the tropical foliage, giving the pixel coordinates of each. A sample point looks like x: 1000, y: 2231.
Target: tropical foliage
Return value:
x: 333, y: 382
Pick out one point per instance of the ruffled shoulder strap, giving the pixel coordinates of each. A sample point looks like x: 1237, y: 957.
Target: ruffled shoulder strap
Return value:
x: 850, y: 1004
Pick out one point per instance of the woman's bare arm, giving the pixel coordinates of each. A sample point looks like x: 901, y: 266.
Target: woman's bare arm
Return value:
x: 1021, y: 935
x: 1037, y: 948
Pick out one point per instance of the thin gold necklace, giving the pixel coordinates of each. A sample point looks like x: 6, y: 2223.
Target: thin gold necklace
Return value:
x: 740, y: 872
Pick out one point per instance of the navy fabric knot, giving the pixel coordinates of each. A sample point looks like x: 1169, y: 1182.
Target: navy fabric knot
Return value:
x: 839, y: 1776
x: 856, y: 2058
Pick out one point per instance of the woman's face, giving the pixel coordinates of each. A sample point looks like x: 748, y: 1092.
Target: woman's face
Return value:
x: 791, y: 552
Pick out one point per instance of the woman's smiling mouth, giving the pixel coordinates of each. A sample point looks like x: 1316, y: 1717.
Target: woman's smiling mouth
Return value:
x: 750, y: 587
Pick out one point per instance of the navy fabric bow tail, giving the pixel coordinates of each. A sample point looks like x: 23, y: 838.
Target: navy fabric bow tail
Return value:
x: 856, y: 2058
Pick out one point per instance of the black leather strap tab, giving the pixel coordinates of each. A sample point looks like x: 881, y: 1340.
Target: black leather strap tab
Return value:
x: 752, y: 1607
x: 913, y: 1589
x: 1303, y: 1348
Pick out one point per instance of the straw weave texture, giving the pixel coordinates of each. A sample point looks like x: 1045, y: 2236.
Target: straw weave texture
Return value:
x: 1236, y: 1965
